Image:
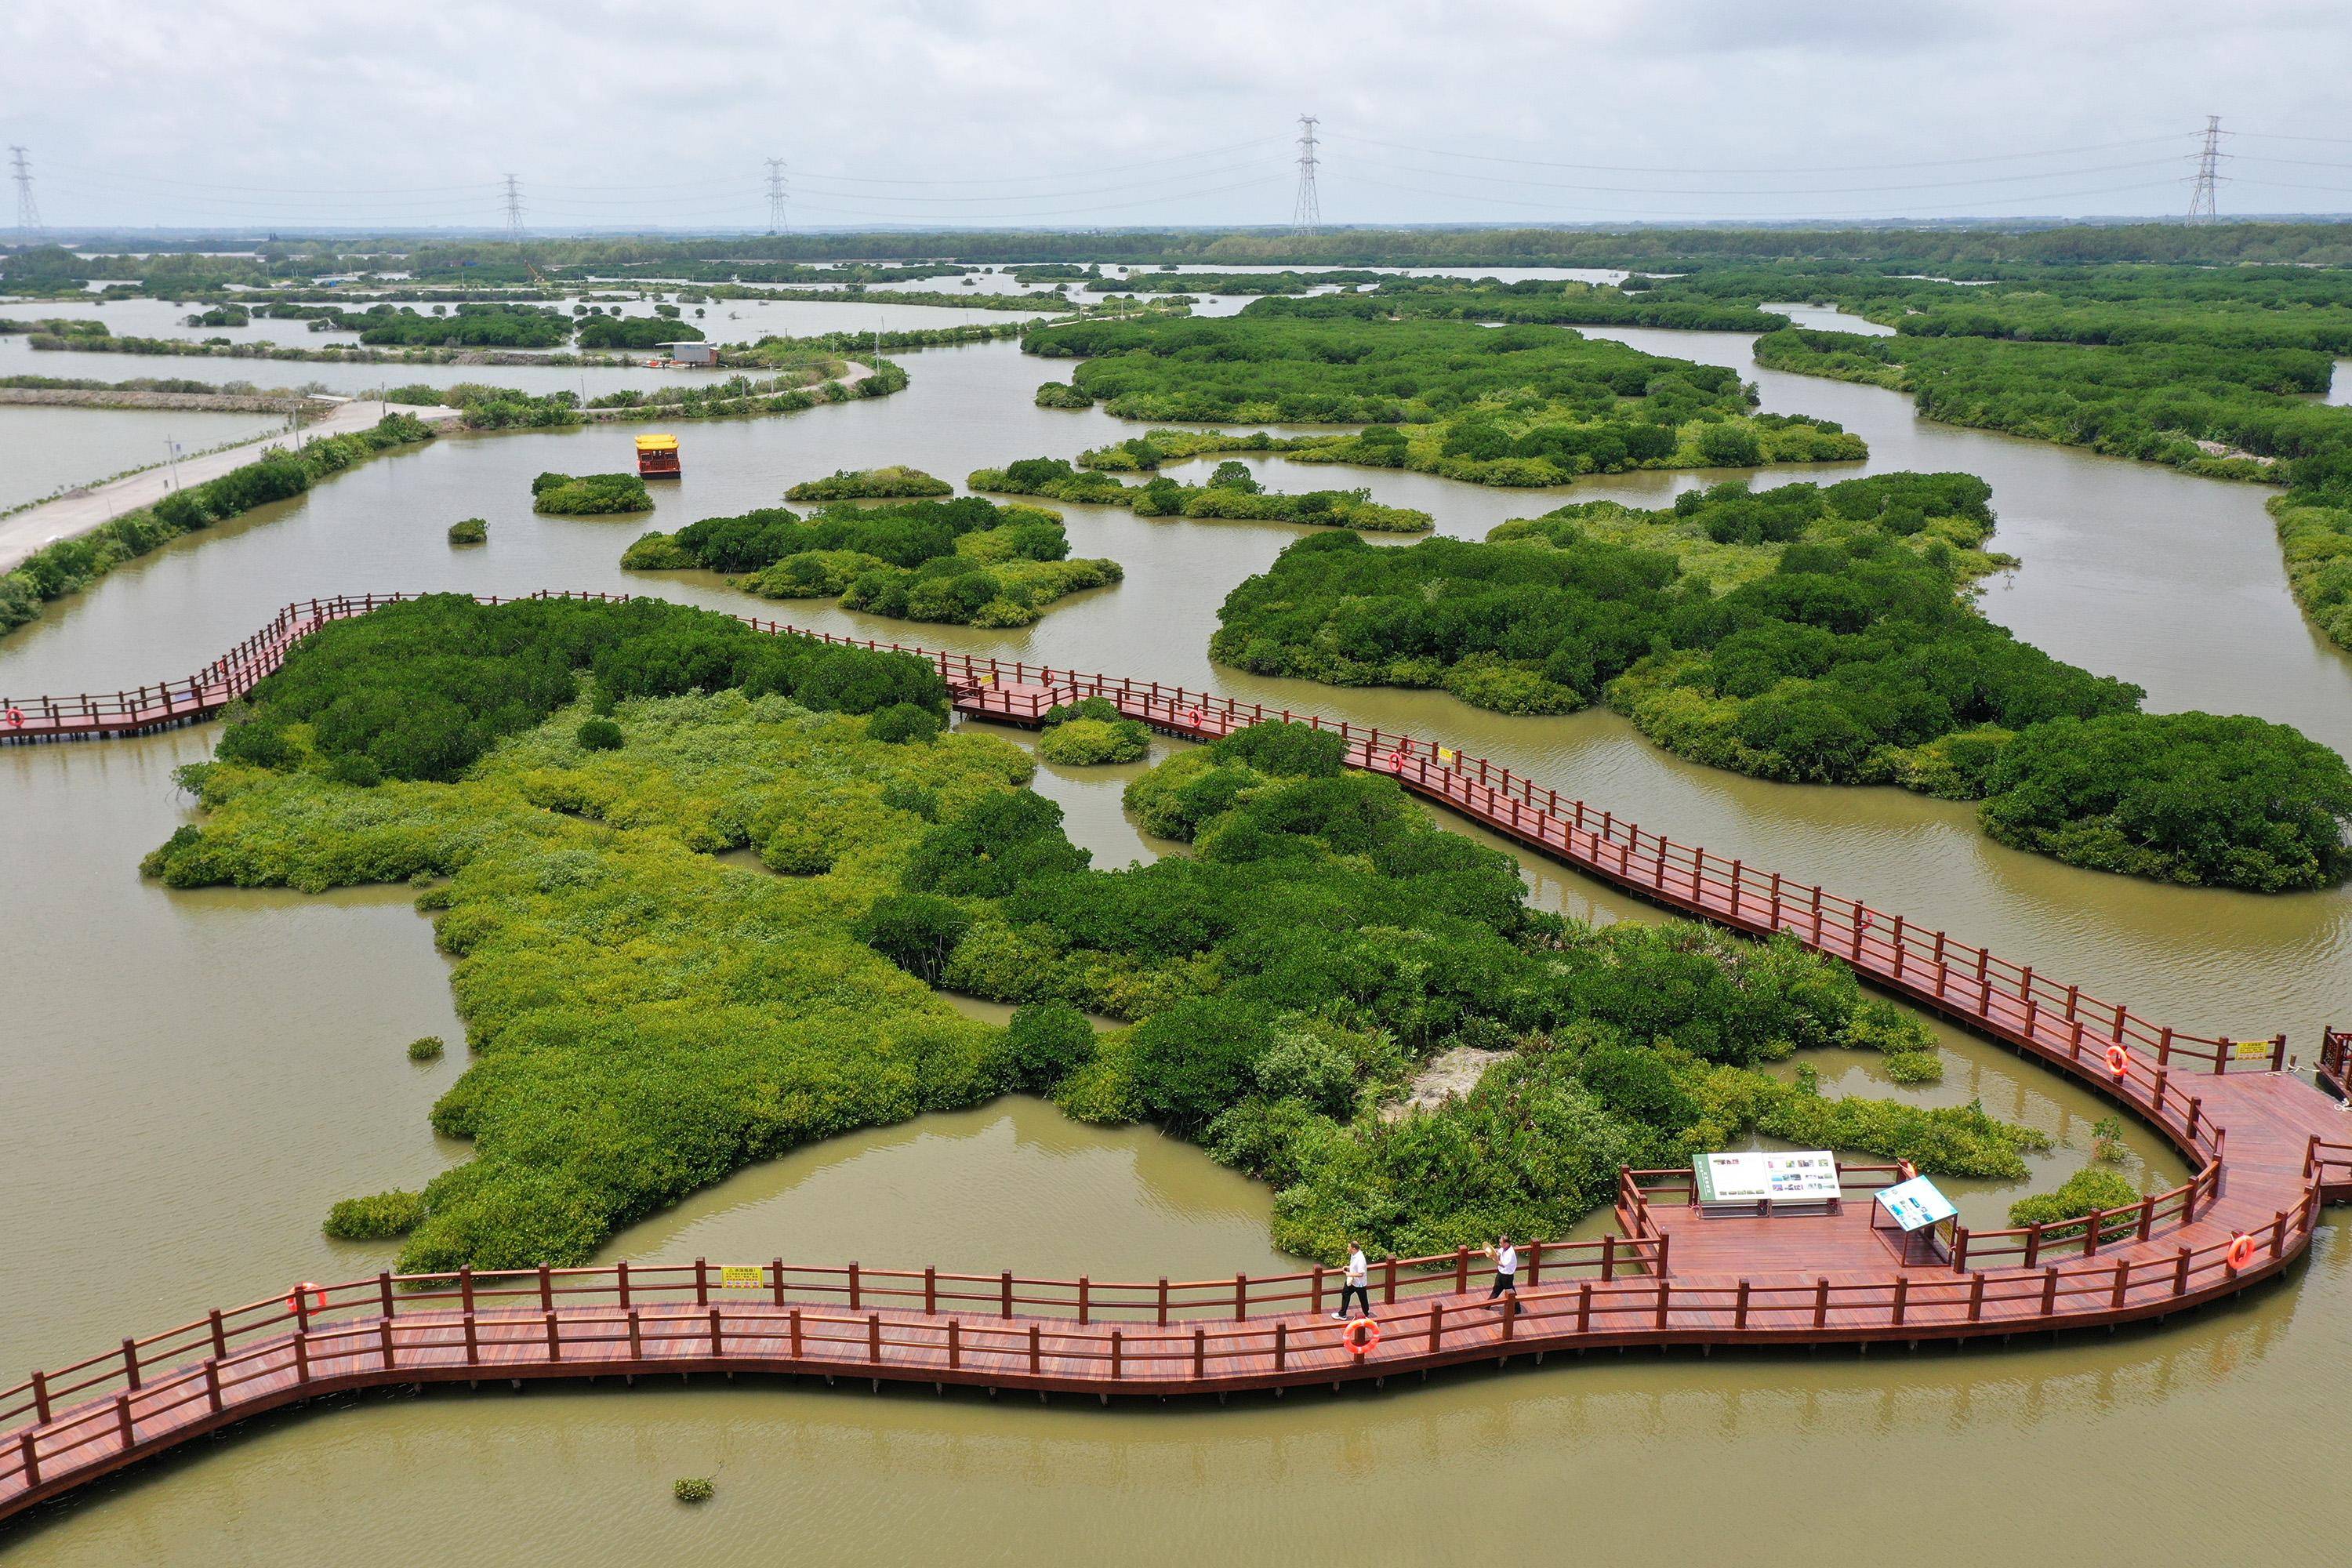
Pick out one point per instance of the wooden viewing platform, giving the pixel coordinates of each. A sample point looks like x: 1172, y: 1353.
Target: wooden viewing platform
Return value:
x: 2267, y: 1148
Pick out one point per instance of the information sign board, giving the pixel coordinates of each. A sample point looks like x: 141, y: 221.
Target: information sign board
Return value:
x: 1790, y: 1176
x: 1916, y: 1204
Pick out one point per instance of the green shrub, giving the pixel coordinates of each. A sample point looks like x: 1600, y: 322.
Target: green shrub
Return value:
x: 599, y: 735
x: 914, y: 931
x: 2089, y: 1190
x: 1062, y: 394
x: 590, y: 495
x: 2183, y: 797
x: 904, y: 723
x: 378, y: 1218
x: 852, y: 484
x: 965, y: 562
x: 470, y: 531
x: 421, y: 690
x: 1086, y: 743
x: 427, y: 1049
x: 692, y: 1489
x: 1043, y: 1044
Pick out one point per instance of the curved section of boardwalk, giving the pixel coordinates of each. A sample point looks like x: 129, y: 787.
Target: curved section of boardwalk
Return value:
x: 2267, y: 1147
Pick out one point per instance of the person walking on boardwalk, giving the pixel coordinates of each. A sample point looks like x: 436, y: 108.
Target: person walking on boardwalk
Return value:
x: 1356, y: 1284
x: 1507, y: 1268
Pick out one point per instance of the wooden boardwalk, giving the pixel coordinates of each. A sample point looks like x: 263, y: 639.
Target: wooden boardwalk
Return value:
x: 2267, y: 1148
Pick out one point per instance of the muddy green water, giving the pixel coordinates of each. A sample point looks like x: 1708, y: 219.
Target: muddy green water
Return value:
x: 191, y: 1078
x: 50, y: 447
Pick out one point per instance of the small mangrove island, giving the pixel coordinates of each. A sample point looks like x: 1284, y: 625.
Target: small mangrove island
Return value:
x: 966, y: 562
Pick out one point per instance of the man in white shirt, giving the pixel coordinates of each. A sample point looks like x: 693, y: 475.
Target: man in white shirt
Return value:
x: 1506, y: 1267
x: 1356, y: 1284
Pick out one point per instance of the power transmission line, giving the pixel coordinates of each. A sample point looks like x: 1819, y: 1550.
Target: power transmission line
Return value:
x: 2209, y: 161
x: 776, y: 224
x: 28, y: 213
x: 1306, y: 212
x: 1776, y: 169
x: 514, y: 206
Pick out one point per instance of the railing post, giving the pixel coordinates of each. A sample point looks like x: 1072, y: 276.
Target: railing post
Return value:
x: 931, y: 1289
x: 1118, y: 1344
x: 702, y: 1282
x: 122, y: 1421
x: 1388, y: 1288
x: 2050, y: 1290
x: 1200, y: 1353
x: 547, y: 1288
x: 41, y: 1393
x: 1820, y: 1301
x: 466, y: 1287
x: 1033, y: 1339
x: 1608, y: 1257
x: 1005, y: 1287
x: 473, y: 1341
x: 1281, y: 1343
x: 554, y: 1335
x: 1241, y: 1297
x: 2180, y: 1272
x: 853, y: 1287
x: 717, y: 1349
x: 1086, y: 1291
x: 131, y: 1362
x: 1902, y: 1297
x: 1976, y: 1298
x: 873, y: 1338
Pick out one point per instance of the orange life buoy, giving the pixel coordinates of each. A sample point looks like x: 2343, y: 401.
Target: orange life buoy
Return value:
x: 1362, y: 1336
x: 2117, y: 1060
x: 16, y: 718
x: 2242, y: 1252
x: 317, y: 1293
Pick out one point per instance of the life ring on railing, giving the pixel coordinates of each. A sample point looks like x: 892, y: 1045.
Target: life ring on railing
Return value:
x: 317, y: 1293
x: 2241, y: 1253
x: 16, y: 718
x: 2118, y: 1060
x: 1362, y: 1336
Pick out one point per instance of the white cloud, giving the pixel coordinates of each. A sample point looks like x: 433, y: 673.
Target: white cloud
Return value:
x: 249, y: 112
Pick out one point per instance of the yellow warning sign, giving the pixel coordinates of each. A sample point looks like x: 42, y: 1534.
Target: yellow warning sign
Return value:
x: 747, y: 1277
x: 1447, y: 754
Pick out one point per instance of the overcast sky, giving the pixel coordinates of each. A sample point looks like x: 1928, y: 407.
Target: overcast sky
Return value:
x: 245, y: 114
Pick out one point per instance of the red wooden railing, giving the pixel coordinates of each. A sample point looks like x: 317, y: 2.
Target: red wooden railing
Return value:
x: 2336, y: 1062
x: 1096, y: 1336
